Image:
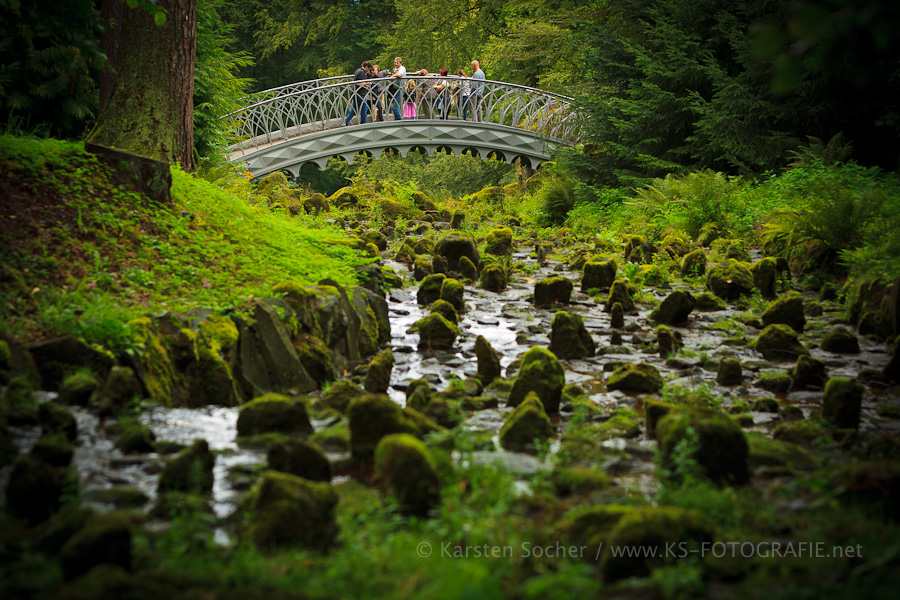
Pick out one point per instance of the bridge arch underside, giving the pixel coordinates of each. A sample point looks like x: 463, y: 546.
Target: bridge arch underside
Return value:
x: 374, y: 139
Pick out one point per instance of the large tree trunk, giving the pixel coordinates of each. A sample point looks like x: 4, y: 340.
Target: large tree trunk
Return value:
x: 151, y: 108
x: 111, y: 17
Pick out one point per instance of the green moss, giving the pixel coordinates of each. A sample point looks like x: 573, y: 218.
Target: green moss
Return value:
x: 803, y: 432
x: 619, y: 293
x: 446, y: 310
x: 598, y: 275
x: 273, y: 413
x: 55, y: 418
x: 210, y: 381
x: 405, y: 469
x: 499, y: 241
x: 299, y: 458
x: 335, y: 438
x: 76, y: 389
x: 730, y: 280
x: 493, y: 278
x: 316, y: 358
x: 779, y: 343
x: 371, y: 418
x: 452, y: 291
x: 435, y: 332
x: 135, y: 437
x: 787, y: 310
x: 774, y: 382
x: 430, y: 289
x: 286, y: 510
x: 378, y: 376
x: 54, y: 450
x: 767, y: 452
x: 340, y: 393
x: 590, y: 526
x: 190, y: 471
x: 623, y: 423
x: 639, y: 378
x: 105, y: 539
x: 569, y: 338
x: 842, y: 402
x: 578, y: 480
x: 552, y: 291
x: 158, y: 372
x: 539, y: 372
x: 36, y: 489
x: 525, y: 425
x: 713, y: 440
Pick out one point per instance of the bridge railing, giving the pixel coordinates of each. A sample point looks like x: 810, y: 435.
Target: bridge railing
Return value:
x: 323, y: 104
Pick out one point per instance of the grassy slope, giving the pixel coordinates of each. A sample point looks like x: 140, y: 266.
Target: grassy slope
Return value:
x: 81, y: 255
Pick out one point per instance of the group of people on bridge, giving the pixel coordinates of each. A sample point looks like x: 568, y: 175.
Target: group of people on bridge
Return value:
x: 434, y: 93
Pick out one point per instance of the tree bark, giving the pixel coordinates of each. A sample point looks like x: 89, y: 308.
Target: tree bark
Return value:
x: 151, y: 108
x: 111, y: 17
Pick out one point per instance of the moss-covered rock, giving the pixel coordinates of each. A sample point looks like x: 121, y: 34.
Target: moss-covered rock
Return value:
x: 729, y: 372
x: 190, y: 471
x: 422, y: 268
x: 653, y: 529
x: 499, y: 242
x: 778, y: 383
x: 120, y: 389
x: 808, y: 373
x: 135, y: 437
x: 286, y: 510
x: 730, y: 249
x: 654, y: 410
x: 694, y: 263
x: 840, y: 340
x: 730, y: 280
x: 766, y: 405
x: 467, y: 269
x: 273, y: 413
x: 446, y: 310
x: 539, y: 372
x: 617, y: 319
x: 767, y: 452
x: 488, y: 360
x: 55, y: 418
x: 435, y: 332
x: 526, y: 424
x: 578, y: 479
x: 272, y: 183
x: 551, y: 291
x: 340, y: 393
x: 493, y: 278
x: 300, y: 458
x: 765, y: 276
x: 640, y: 378
x: 405, y: 470
x: 569, y: 338
x: 54, y: 450
x: 674, y: 309
x: 316, y: 357
x: 58, y: 357
x: 709, y: 302
x: 620, y: 293
x: 674, y: 246
x: 779, y: 342
x: 374, y: 416
x: 105, y: 539
x: 36, y: 488
x: 453, y: 291
x: 457, y: 219
x: 316, y: 204
x: 430, y: 289
x: 18, y: 403
x: 712, y: 439
x: 454, y: 246
x: 803, y: 432
x: 842, y: 402
x: 668, y: 341
x: 787, y: 310
x: 598, y: 275
x: 77, y: 389
x: 378, y: 376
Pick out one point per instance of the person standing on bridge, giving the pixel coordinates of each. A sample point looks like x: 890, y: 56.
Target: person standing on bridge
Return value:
x: 396, y: 90
x: 359, y: 98
x: 477, y: 91
x: 463, y: 91
x: 377, y: 89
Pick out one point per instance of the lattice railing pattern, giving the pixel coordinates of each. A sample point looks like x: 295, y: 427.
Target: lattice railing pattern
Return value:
x: 309, y: 106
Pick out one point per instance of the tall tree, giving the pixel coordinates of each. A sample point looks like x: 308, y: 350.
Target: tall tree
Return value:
x: 151, y: 108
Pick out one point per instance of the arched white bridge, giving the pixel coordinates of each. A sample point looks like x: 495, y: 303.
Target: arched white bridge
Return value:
x: 287, y: 127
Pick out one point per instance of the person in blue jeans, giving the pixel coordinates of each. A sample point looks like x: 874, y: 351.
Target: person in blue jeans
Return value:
x: 359, y: 97
x: 396, y: 89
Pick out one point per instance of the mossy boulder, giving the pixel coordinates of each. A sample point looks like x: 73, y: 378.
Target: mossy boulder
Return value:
x: 778, y: 383
x: 405, y: 254
x: 373, y: 236
x: 18, y: 404
x: 467, y: 269
x: 714, y: 440
x: 598, y: 275
x: 135, y: 437
x: 378, y: 376
x: 374, y: 416
x: 287, y: 511
x: 452, y: 291
x: 539, y: 372
x: 525, y: 425
x: 641, y: 378
x: 316, y: 204
x: 422, y: 268
x: 778, y: 342
x: 422, y: 201
x: 767, y: 452
x: 121, y: 388
x: 620, y: 293
x: 316, y: 357
x: 77, y: 389
x: 842, y: 402
x: 730, y: 249
x: 654, y: 410
x: 730, y: 280
x: 446, y: 310
x: 36, y: 488
x: 391, y: 208
x: 435, y: 332
x: 488, y: 360
x: 709, y: 302
x: 808, y: 373
x: 578, y: 479
x: 499, y: 242
x: 339, y: 395
x: 454, y: 246
x: 55, y: 418
x: 729, y: 372
x: 493, y: 278
x: 457, y: 219
x: 271, y: 183
x: 552, y: 290
x: 653, y: 529
x: 694, y: 263
x: 765, y: 276
x: 190, y: 471
x: 675, y: 308
x: 430, y: 289
x: 300, y: 458
x: 840, y: 340
x: 54, y: 450
x: 569, y: 338
x: 105, y: 539
x: 405, y: 469
x: 423, y: 245
x: 60, y: 356
x: 617, y: 319
x: 668, y: 341
x: 273, y: 413
x: 674, y: 246
x: 787, y: 310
